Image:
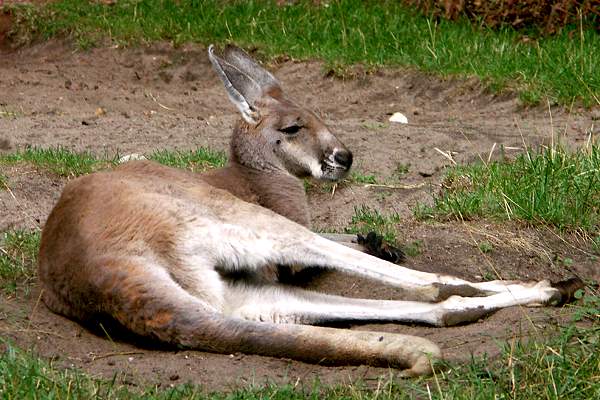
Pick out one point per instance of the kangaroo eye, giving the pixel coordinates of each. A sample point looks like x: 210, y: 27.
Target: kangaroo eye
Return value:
x: 290, y: 130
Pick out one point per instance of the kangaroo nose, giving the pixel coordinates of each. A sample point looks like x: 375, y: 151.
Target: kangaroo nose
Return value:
x: 344, y: 158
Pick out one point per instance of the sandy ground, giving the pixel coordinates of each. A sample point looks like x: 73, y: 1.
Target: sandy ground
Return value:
x: 163, y: 98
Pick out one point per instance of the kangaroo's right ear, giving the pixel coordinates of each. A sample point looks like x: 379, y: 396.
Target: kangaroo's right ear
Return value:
x: 244, y: 80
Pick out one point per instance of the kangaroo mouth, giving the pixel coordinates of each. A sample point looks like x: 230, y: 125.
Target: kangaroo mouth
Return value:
x: 332, y: 171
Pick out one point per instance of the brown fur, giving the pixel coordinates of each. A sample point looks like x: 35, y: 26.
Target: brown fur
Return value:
x: 103, y: 220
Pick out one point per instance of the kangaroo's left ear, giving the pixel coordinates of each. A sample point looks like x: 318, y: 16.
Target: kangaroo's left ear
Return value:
x: 244, y: 80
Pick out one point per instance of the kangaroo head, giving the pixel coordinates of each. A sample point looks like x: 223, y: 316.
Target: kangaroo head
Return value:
x: 275, y: 133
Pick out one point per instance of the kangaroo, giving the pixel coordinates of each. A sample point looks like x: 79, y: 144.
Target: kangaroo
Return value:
x: 160, y: 250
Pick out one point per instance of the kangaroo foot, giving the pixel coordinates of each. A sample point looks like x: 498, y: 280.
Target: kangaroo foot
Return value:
x: 376, y: 246
x: 567, y: 289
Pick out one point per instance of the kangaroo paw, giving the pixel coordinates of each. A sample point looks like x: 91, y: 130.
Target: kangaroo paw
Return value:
x: 376, y: 246
x: 567, y: 289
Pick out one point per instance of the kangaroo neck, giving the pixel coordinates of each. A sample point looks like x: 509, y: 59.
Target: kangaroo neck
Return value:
x: 276, y: 190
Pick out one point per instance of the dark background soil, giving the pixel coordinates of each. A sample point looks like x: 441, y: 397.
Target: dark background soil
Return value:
x: 159, y: 97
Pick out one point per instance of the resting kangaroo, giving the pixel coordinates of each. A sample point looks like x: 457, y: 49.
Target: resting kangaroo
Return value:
x: 158, y: 249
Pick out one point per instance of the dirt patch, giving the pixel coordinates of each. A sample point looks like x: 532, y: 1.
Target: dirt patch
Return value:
x: 159, y: 97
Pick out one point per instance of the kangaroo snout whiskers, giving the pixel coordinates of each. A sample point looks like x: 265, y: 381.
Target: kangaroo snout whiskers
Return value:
x: 197, y: 260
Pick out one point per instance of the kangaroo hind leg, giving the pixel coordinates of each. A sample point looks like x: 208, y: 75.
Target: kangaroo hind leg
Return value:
x: 149, y: 303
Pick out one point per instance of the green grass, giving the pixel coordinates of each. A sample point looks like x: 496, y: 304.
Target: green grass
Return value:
x: 67, y: 163
x: 381, y: 33
x: 413, y: 249
x: 565, y: 367
x: 551, y: 187
x: 366, y: 220
x: 561, y: 68
x: 401, y: 170
x: 18, y: 257
x: 200, y: 159
x: 58, y: 160
x: 361, y: 178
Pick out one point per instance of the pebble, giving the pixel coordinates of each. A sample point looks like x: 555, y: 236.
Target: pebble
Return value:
x: 399, y: 118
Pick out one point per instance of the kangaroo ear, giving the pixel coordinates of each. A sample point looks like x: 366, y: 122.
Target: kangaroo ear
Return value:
x: 244, y: 80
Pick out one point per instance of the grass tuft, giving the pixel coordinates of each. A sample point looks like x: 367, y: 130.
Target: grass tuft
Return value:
x: 198, y: 160
x: 67, y: 163
x: 18, y: 259
x: 366, y: 220
x: 357, y: 177
x: 552, y: 187
x: 58, y: 160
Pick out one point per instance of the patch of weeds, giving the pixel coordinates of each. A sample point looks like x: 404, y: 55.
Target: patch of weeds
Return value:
x: 566, y: 366
x: 338, y: 70
x: 530, y: 97
x: 86, y: 42
x: 565, y: 261
x: 58, y: 160
x: 413, y: 249
x: 596, y: 244
x: 200, y: 160
x: 588, y: 307
x: 361, y: 178
x: 488, y: 276
x: 485, y: 247
x: 366, y: 220
x: 7, y: 113
x: 552, y: 187
x: 65, y: 162
x: 424, y: 212
x: 3, y: 182
x: 24, y: 374
x: 342, y: 70
x: 18, y: 257
x: 401, y: 170
x: 375, y: 125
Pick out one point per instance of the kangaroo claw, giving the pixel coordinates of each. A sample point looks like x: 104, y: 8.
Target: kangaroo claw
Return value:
x: 377, y: 247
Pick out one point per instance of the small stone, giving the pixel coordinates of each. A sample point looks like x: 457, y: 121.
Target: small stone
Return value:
x: 131, y: 157
x: 174, y: 377
x: 399, y: 118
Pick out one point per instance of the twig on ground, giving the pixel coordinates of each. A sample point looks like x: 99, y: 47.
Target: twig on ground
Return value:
x: 380, y: 185
x: 117, y: 353
x: 160, y: 104
x: 37, y: 302
x: 447, y: 154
